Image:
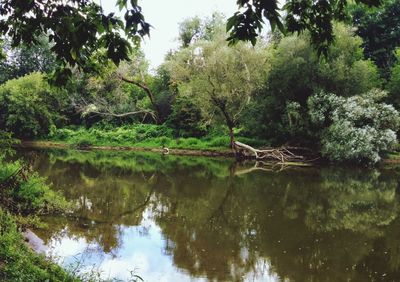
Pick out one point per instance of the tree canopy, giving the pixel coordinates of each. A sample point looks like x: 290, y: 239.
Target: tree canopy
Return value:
x: 78, y: 28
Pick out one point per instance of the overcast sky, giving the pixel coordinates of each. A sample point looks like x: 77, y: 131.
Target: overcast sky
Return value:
x: 164, y: 16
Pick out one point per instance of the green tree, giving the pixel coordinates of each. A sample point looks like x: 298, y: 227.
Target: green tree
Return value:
x: 297, y: 72
x: 23, y: 60
x: 117, y: 92
x: 380, y: 30
x: 218, y: 78
x: 316, y: 17
x: 394, y: 83
x: 195, y: 28
x: 78, y: 28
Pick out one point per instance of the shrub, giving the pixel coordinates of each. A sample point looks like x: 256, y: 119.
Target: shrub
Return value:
x: 18, y: 262
x: 24, y: 192
x: 29, y: 107
x: 222, y: 141
x: 186, y: 119
x: 6, y: 143
x: 357, y: 128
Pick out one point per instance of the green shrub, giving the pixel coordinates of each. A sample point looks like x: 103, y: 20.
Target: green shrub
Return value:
x: 83, y: 143
x: 358, y: 128
x: 186, y: 119
x: 34, y: 195
x: 29, y: 107
x: 24, y: 192
x: 222, y: 141
x: 394, y: 83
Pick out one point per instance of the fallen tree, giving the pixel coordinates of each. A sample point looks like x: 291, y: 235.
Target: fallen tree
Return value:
x: 281, y: 154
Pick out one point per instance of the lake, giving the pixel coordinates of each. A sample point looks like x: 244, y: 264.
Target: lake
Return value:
x: 169, y: 218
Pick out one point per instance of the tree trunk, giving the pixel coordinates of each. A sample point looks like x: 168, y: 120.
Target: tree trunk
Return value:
x: 232, y: 138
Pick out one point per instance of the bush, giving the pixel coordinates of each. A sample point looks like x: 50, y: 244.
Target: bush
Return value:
x: 18, y: 262
x: 6, y: 143
x: 29, y: 107
x: 357, y: 128
x: 186, y: 119
x: 24, y: 192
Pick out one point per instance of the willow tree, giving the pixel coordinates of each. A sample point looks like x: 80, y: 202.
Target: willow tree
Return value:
x: 218, y: 78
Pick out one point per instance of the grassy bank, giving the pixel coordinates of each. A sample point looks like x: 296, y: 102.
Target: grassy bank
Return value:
x: 152, y: 138
x: 18, y: 262
x: 23, y: 196
x: 144, y: 136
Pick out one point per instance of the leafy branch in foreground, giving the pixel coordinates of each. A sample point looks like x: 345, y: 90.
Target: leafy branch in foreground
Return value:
x: 76, y: 28
x: 316, y: 17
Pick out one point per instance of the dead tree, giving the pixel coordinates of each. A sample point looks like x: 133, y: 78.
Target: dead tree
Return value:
x: 281, y: 155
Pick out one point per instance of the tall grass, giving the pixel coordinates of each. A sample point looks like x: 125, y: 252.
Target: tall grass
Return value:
x: 142, y: 135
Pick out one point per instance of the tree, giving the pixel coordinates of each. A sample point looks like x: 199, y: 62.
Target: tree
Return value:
x: 219, y: 77
x: 195, y: 28
x: 117, y: 92
x: 394, y: 83
x: 23, y: 60
x: 316, y: 17
x: 76, y: 28
x: 296, y: 73
x: 380, y: 30
x: 135, y: 73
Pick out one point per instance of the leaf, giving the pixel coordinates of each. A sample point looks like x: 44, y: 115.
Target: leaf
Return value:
x: 231, y: 22
x: 73, y: 54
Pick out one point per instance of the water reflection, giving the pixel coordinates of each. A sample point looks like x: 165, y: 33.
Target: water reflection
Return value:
x: 184, y: 219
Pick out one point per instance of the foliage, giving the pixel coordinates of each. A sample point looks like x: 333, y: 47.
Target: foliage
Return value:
x: 221, y: 80
x: 6, y: 143
x: 394, y: 83
x: 315, y: 17
x: 120, y: 94
x: 142, y: 135
x: 19, y: 263
x: 358, y: 128
x: 296, y: 73
x: 186, y: 119
x: 24, y: 192
x: 195, y: 29
x: 24, y: 21
x: 29, y: 107
x: 23, y: 60
x: 77, y: 29
x: 380, y: 30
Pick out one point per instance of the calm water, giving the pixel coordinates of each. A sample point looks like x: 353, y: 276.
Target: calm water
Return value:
x: 194, y: 219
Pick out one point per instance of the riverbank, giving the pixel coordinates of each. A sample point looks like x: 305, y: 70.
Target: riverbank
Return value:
x: 24, y: 196
x: 18, y: 262
x: 182, y: 152
x: 390, y: 159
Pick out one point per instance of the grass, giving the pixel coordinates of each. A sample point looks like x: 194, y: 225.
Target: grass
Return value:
x: 142, y: 135
x: 18, y: 262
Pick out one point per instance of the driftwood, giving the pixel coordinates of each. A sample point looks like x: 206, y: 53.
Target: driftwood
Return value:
x: 282, y: 154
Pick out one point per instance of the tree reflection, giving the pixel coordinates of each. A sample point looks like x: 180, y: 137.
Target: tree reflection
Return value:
x: 304, y: 224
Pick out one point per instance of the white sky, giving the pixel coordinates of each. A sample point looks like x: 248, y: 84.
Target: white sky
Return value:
x: 164, y: 16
